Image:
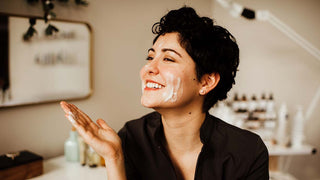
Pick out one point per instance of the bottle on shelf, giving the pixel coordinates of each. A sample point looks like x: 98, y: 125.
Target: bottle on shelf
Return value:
x: 71, y: 146
x: 270, y: 103
x: 282, y: 131
x: 252, y: 105
x: 102, y: 162
x: 82, y: 151
x: 244, y: 104
x: 297, y: 133
x: 270, y: 113
x: 235, y: 103
x: 262, y: 103
x: 93, y: 158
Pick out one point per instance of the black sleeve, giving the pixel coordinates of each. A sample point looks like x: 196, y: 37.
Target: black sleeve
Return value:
x: 260, y: 166
x: 131, y: 172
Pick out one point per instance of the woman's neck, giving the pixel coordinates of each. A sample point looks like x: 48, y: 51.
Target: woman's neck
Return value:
x: 182, y: 130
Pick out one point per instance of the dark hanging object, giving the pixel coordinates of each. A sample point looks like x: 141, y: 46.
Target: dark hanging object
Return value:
x: 47, y: 8
x: 47, y: 5
x: 82, y: 2
x: 48, y: 16
x: 31, y: 30
x: 50, y: 30
x: 248, y: 13
x: 32, y: 21
x: 32, y: 1
x: 4, y: 54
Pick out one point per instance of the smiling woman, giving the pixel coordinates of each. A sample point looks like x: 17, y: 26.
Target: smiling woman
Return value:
x: 191, y: 65
x: 170, y: 66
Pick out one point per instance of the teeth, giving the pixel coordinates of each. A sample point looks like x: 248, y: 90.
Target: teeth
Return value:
x: 153, y: 85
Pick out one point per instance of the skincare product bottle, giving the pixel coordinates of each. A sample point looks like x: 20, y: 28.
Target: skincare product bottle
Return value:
x: 282, y: 134
x: 270, y: 109
x: 82, y: 151
x: 93, y: 158
x: 71, y: 147
x: 102, y: 162
x: 244, y: 104
x: 263, y: 103
x: 297, y: 135
x: 252, y: 105
x: 235, y: 103
x: 270, y: 103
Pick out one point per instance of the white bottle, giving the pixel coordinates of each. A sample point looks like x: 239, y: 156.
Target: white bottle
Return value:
x: 244, y: 104
x: 297, y: 135
x: 71, y: 147
x: 82, y: 151
x: 282, y: 134
x: 270, y: 114
x: 253, y: 105
x: 235, y: 103
x: 93, y: 158
x: 262, y: 103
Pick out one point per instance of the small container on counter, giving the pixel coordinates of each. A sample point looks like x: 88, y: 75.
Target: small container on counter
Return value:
x: 71, y: 147
x: 83, y: 151
x: 93, y: 158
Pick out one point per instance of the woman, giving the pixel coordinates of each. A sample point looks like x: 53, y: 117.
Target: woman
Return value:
x: 191, y: 65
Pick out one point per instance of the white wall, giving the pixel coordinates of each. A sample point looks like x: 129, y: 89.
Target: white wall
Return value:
x: 271, y: 62
x: 122, y: 34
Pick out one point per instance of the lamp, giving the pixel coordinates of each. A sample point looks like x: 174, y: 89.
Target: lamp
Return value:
x: 237, y: 10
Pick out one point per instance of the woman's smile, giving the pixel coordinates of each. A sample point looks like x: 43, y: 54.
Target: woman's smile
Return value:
x: 152, y: 85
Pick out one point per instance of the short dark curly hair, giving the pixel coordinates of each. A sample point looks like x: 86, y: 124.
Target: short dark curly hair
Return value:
x: 212, y: 48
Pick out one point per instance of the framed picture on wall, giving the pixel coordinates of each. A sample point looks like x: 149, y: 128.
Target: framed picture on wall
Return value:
x: 44, y: 68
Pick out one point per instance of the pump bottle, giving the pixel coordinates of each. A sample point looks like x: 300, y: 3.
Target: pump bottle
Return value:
x: 71, y: 147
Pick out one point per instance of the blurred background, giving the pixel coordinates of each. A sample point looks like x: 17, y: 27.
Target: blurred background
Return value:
x: 270, y: 63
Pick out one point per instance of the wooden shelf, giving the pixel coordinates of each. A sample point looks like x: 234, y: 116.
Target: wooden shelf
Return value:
x: 275, y: 150
x: 59, y: 168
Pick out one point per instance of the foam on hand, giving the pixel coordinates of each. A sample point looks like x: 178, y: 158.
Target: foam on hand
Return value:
x: 71, y: 118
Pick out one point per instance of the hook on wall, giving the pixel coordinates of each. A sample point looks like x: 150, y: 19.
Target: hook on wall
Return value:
x: 48, y: 6
x: 31, y: 30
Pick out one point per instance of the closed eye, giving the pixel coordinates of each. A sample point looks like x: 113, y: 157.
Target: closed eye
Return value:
x: 168, y: 59
x: 149, y: 58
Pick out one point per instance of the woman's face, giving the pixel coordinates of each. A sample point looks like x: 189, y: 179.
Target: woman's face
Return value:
x: 169, y: 77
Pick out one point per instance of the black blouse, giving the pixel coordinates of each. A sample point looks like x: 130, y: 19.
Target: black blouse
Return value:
x: 228, y: 152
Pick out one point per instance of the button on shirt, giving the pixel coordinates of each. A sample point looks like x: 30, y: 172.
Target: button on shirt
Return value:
x: 228, y: 152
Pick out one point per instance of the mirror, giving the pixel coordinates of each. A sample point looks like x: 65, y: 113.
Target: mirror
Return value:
x: 43, y: 68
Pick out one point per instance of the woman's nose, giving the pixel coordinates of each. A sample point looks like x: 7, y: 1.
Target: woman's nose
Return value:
x: 152, y: 67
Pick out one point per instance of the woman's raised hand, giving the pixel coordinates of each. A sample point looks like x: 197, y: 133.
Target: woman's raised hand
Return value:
x: 103, y: 139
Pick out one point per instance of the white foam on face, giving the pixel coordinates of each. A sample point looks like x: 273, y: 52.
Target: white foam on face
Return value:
x: 172, y: 87
x: 71, y: 118
x: 142, y: 86
x: 169, y: 93
x: 175, y: 91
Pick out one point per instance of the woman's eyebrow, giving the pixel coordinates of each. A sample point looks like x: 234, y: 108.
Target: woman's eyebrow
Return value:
x: 172, y: 50
x: 151, y: 49
x: 166, y: 49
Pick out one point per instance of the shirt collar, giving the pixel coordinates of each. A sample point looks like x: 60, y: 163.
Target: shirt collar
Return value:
x: 206, y: 130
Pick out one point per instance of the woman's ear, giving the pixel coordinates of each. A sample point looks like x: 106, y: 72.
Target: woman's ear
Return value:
x: 209, y: 82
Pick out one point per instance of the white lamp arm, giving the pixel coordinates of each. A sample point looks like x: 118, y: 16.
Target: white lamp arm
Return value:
x: 267, y: 16
x: 236, y: 10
